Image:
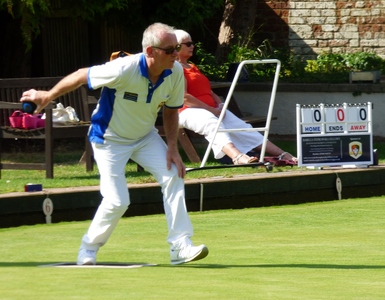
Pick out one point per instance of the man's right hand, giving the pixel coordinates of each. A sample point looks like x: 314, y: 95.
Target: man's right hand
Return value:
x: 40, y: 98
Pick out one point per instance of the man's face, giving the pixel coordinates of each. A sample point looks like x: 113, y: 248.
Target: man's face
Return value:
x: 166, y: 53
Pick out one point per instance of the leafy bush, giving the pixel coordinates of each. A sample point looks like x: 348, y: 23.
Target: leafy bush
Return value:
x: 208, y: 65
x: 334, y: 68
x: 363, y: 61
x: 326, y: 68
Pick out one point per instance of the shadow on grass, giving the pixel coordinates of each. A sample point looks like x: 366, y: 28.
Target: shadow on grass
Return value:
x: 299, y: 266
x: 207, y: 266
x: 131, y: 174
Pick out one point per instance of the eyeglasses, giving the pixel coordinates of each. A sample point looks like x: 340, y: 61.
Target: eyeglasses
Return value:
x: 170, y: 50
x: 188, y: 44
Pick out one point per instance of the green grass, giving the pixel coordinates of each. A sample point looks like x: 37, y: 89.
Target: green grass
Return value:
x: 328, y: 250
x: 69, y: 173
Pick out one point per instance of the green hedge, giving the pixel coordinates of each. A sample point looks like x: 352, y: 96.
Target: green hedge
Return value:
x: 327, y: 68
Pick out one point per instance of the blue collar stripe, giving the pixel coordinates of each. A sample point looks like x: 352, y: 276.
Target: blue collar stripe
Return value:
x: 144, y: 72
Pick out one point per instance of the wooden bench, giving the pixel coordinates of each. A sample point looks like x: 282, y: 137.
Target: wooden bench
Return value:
x: 184, y: 140
x: 10, y: 93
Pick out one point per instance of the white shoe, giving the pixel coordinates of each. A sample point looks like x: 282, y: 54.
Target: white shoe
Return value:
x: 187, y: 254
x: 87, y: 257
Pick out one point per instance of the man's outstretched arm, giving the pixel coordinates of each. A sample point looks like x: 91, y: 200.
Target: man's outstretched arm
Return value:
x: 64, y: 86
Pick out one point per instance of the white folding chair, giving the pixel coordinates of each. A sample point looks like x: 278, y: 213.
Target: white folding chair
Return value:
x: 227, y: 101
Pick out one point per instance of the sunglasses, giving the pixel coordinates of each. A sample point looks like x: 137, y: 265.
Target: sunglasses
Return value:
x: 188, y: 44
x: 170, y: 50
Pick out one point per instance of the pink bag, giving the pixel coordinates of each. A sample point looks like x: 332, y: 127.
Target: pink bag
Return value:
x: 29, y: 121
x: 40, y: 122
x: 278, y: 162
x: 18, y: 119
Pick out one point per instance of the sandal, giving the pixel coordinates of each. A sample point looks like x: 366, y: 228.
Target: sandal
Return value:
x: 249, y: 159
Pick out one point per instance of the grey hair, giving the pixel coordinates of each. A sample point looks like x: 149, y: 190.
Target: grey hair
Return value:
x: 181, y: 35
x: 152, y: 34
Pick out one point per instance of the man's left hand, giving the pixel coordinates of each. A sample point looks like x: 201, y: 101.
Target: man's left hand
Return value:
x: 173, y: 157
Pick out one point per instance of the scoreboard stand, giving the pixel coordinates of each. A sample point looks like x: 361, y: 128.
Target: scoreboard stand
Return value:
x: 334, y: 135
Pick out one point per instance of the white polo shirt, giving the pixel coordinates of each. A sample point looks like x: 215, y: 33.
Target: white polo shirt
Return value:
x: 129, y: 102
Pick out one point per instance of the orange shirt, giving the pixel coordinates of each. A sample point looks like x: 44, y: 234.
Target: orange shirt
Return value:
x: 198, y: 85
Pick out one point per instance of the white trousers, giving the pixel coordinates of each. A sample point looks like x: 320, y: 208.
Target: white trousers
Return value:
x: 150, y: 153
x: 204, y: 123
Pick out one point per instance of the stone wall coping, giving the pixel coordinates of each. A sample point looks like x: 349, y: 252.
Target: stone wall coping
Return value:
x: 313, y: 87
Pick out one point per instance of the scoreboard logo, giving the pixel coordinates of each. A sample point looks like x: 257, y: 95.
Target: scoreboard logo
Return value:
x: 355, y: 149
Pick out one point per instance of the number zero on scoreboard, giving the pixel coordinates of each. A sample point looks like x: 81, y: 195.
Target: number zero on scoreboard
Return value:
x: 312, y: 119
x: 340, y: 115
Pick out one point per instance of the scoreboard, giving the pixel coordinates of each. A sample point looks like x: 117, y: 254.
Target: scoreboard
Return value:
x: 334, y: 134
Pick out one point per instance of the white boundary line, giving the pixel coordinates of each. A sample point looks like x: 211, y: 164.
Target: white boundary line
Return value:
x: 100, y: 265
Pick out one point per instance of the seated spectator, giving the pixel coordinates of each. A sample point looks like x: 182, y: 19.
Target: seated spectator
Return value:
x: 202, y: 108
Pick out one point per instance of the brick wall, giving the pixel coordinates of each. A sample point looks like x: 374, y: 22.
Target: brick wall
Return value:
x: 313, y: 26
x: 271, y: 22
